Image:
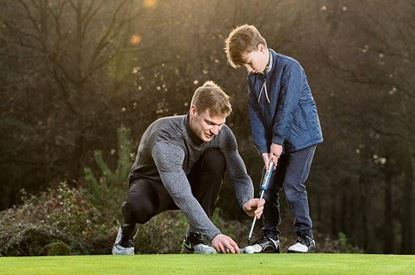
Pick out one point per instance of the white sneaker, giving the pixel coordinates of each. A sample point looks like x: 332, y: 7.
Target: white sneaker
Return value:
x: 203, y: 249
x: 304, y: 244
x: 194, y: 243
x: 118, y: 249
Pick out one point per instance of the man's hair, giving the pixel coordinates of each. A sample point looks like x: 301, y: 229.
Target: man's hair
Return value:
x: 240, y: 42
x: 211, y: 96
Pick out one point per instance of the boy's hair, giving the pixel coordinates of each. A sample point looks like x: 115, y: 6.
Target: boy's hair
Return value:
x: 211, y: 96
x: 240, y: 42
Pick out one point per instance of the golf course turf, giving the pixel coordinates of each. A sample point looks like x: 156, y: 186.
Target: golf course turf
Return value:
x: 212, y: 264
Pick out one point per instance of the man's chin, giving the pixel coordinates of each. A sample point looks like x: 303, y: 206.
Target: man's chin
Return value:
x: 207, y: 139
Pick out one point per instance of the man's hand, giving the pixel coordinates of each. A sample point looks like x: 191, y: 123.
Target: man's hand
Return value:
x: 225, y: 244
x: 254, y: 207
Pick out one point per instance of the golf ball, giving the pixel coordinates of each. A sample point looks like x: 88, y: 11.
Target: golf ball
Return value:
x: 249, y: 250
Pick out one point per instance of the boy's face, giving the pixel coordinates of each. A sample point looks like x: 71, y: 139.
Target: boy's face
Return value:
x: 204, y: 125
x: 257, y: 60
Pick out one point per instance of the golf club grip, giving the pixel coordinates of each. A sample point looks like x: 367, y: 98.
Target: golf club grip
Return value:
x: 267, y: 177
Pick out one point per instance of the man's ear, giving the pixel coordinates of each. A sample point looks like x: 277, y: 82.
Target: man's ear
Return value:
x: 193, y: 110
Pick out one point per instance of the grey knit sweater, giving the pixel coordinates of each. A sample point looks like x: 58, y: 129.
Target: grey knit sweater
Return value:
x: 167, y: 152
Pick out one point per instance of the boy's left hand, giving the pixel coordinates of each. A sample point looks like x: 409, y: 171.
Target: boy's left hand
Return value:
x: 253, y: 207
x: 276, y: 151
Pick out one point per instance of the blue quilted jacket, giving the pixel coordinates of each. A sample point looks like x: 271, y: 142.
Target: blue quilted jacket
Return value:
x: 282, y: 109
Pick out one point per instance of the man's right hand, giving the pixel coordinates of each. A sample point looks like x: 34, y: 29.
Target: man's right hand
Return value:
x: 225, y: 244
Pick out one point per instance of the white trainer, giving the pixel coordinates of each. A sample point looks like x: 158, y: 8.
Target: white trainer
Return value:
x: 118, y: 249
x: 194, y: 243
x: 203, y: 249
x: 303, y: 245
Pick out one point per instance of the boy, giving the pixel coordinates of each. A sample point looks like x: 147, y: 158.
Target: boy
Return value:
x: 180, y: 164
x: 285, y: 128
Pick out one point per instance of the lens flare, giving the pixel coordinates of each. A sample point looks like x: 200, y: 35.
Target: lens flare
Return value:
x: 151, y: 4
x: 135, y: 39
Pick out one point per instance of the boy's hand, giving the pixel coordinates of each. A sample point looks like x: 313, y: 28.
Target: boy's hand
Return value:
x: 265, y: 158
x: 276, y: 151
x: 225, y: 244
x: 254, y: 207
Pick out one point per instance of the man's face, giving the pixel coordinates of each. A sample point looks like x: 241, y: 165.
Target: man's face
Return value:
x: 204, y: 125
x: 257, y: 60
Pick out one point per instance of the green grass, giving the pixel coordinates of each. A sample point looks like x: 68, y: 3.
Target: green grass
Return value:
x: 211, y: 264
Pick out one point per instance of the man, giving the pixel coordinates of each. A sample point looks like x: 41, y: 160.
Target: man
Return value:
x: 180, y: 164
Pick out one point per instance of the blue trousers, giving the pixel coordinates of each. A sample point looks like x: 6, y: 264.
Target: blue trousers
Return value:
x: 291, y: 174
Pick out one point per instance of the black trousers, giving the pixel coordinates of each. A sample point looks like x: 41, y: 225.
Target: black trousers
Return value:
x: 147, y: 198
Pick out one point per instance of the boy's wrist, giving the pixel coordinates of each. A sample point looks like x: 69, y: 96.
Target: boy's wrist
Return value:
x: 278, y: 140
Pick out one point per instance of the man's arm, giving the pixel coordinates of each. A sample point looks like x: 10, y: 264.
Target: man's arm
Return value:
x: 169, y: 160
x: 242, y: 183
x: 235, y: 166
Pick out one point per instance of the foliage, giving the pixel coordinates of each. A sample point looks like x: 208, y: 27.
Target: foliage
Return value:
x: 60, y: 215
x: 341, y: 244
x: 164, y: 233
x: 57, y: 248
x: 106, y: 191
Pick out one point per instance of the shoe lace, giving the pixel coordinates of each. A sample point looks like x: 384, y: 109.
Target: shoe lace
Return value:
x: 304, y: 239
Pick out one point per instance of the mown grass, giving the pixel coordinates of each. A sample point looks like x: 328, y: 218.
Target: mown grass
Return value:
x: 212, y: 264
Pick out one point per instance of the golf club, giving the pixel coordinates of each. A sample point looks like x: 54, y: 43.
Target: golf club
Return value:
x: 264, y: 187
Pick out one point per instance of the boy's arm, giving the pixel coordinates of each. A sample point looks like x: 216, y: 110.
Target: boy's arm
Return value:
x: 169, y: 159
x: 257, y: 126
x: 289, y: 97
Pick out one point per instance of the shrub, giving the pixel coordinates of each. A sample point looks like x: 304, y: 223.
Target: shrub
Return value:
x: 330, y: 244
x: 63, y: 221
x: 57, y: 248
x: 107, y: 190
x: 61, y: 214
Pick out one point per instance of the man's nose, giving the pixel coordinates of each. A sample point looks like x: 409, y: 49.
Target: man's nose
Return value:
x: 215, y: 130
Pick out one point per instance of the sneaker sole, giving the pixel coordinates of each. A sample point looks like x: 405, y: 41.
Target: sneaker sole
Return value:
x: 293, y: 251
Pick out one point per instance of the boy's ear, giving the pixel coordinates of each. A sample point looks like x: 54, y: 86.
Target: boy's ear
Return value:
x: 261, y: 47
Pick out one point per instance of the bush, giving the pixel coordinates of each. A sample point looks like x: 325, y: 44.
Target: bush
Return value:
x: 57, y: 248
x: 329, y: 244
x: 62, y: 215
x: 63, y: 221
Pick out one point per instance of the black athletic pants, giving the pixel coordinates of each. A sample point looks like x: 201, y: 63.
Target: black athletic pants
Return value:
x: 147, y: 198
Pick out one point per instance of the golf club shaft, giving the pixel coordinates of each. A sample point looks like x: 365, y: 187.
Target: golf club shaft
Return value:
x: 254, y: 220
x: 264, y: 187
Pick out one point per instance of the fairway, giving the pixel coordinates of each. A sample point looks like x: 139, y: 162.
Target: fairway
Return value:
x: 212, y: 264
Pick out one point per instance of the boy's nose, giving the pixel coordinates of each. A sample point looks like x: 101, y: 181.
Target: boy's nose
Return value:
x: 249, y: 68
